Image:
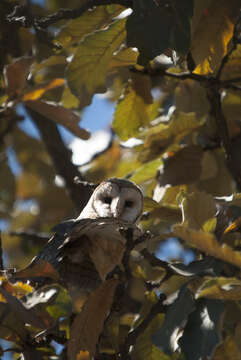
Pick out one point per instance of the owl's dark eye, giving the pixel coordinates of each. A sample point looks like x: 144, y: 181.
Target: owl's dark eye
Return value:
x: 128, y: 203
x: 107, y: 200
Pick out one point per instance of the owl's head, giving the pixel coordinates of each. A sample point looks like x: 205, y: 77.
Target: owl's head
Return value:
x: 115, y: 198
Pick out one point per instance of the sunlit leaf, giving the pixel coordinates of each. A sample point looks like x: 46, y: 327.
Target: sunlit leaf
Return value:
x: 87, y: 71
x: 90, y: 21
x: 146, y: 172
x: 125, y: 57
x: 207, y: 243
x: 132, y: 111
x: 158, y: 138
x: 210, y: 38
x: 220, y: 288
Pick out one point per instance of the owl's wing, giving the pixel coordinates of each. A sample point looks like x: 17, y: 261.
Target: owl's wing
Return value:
x: 82, y: 252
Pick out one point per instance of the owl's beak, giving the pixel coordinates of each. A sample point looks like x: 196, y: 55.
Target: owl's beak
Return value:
x: 116, y: 207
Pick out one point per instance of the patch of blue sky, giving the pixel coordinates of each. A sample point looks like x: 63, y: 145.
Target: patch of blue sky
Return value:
x: 39, y: 2
x: 13, y: 161
x: 98, y: 115
x: 4, y: 224
x: 27, y: 124
x: 171, y: 249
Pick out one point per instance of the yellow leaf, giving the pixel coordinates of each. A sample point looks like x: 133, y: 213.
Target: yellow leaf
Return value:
x: 87, y: 71
x: 132, y: 111
x: 37, y: 93
x: 220, y: 288
x: 208, y: 243
x: 234, y: 226
x: 212, y: 29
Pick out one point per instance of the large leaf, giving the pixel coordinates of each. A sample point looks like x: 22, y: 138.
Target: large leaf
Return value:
x: 165, y: 27
x: 87, y: 23
x: 133, y: 110
x: 212, y: 29
x: 87, y: 71
x: 88, y: 325
x: 207, y: 243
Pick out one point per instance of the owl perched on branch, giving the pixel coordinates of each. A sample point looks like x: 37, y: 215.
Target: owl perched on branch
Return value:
x: 83, y: 251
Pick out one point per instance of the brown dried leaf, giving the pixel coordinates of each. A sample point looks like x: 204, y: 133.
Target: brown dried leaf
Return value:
x: 16, y: 75
x: 182, y: 167
x: 87, y: 326
x: 41, y: 268
x: 59, y: 114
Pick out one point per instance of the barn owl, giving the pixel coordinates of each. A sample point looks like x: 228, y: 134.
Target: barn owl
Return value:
x: 83, y: 251
x: 115, y: 198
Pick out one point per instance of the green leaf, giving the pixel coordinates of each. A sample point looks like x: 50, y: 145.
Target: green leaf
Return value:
x: 87, y: 23
x: 132, y: 111
x: 89, y: 66
x: 162, y: 136
x: 165, y: 27
x: 125, y: 57
x: 146, y: 172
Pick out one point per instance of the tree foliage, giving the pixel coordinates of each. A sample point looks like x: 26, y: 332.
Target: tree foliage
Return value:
x: 173, y: 68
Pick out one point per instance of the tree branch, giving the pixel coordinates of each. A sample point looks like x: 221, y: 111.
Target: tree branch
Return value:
x: 133, y: 335
x: 79, y: 192
x: 22, y: 16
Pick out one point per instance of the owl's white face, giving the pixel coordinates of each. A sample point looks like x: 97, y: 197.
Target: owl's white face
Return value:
x: 115, y: 198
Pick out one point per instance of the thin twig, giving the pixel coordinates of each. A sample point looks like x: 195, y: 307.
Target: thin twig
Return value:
x: 1, y: 253
x: 133, y: 335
